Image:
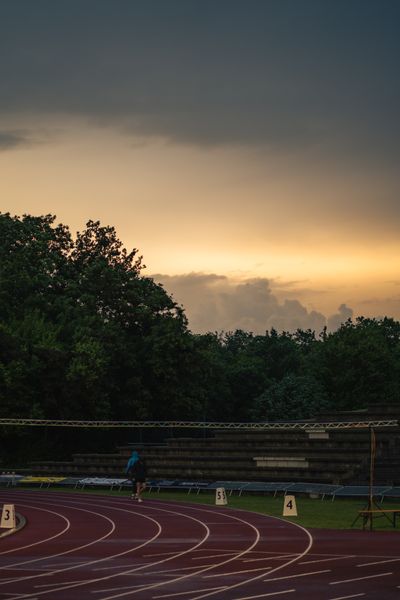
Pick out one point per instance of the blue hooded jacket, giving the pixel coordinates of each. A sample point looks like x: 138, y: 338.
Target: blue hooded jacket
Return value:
x: 134, y: 458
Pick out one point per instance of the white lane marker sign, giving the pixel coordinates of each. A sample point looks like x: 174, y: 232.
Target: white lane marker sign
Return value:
x: 8, y: 517
x: 220, y: 496
x: 289, y: 506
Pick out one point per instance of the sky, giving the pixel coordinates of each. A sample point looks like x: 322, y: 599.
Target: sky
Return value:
x: 249, y: 149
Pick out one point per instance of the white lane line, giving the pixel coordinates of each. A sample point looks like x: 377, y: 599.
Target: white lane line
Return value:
x: 158, y: 554
x: 53, y: 537
x: 247, y: 551
x: 278, y: 557
x: 192, y: 568
x: 45, y: 585
x: 360, y: 578
x: 50, y: 556
x: 222, y: 523
x: 139, y: 574
x: 214, y: 589
x: 96, y: 561
x: 201, y: 570
x: 16, y: 596
x: 320, y: 560
x: 112, y: 568
x: 297, y: 575
x: 215, y: 550
x: 346, y: 597
x: 265, y: 595
x: 35, y: 569
x: 379, y: 562
x: 116, y: 589
x: 274, y: 570
x: 70, y: 562
x: 237, y: 572
x: 213, y: 556
x: 61, y: 587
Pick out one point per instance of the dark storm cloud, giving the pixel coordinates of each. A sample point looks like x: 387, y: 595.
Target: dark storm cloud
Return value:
x: 283, y: 73
x: 13, y: 139
x: 214, y: 303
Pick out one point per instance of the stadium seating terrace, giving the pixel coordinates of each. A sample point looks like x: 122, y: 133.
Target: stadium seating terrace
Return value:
x: 325, y: 456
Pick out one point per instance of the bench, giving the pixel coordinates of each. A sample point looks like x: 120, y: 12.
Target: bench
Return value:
x: 368, y: 515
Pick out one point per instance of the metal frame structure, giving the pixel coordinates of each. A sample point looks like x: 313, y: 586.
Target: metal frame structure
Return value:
x: 200, y: 424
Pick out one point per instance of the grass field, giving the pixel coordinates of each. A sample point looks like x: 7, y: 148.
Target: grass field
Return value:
x: 311, y: 513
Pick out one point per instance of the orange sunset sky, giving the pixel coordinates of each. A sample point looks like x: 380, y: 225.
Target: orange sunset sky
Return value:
x: 249, y: 150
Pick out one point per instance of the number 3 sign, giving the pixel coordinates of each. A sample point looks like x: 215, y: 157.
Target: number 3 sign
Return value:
x: 8, y: 517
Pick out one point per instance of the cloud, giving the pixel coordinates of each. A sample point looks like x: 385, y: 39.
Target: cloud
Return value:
x: 217, y: 303
x: 284, y: 74
x: 344, y: 313
x: 13, y: 139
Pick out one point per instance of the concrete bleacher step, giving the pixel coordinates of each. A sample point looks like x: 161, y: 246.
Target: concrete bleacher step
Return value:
x: 328, y: 456
x: 221, y: 441
x: 321, y: 476
x: 234, y: 453
x: 208, y: 468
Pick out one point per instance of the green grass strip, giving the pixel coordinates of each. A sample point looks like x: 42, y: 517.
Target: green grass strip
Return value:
x: 311, y: 512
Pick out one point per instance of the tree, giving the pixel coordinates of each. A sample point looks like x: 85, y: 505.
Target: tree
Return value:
x: 293, y: 397
x: 83, y: 334
x: 359, y: 364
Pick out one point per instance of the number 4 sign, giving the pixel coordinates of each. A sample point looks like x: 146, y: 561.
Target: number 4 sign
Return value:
x: 289, y: 506
x: 8, y: 517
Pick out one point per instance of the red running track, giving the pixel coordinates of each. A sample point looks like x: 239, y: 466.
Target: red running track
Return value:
x: 79, y: 546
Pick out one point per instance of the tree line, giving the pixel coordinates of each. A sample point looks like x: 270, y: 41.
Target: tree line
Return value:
x: 85, y: 335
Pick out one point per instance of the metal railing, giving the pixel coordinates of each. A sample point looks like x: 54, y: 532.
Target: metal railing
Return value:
x: 309, y: 425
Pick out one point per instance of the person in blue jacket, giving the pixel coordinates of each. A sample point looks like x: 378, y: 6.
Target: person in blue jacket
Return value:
x: 136, y: 472
x: 133, y: 458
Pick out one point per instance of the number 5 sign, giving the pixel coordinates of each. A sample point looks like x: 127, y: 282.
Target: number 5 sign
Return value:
x: 8, y: 517
x: 220, y: 496
x: 289, y: 506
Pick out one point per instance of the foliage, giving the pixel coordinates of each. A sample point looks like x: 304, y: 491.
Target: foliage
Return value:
x: 292, y: 398
x: 85, y: 335
x: 358, y: 365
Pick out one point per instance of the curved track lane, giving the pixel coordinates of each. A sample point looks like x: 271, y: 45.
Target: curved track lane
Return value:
x: 101, y: 547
